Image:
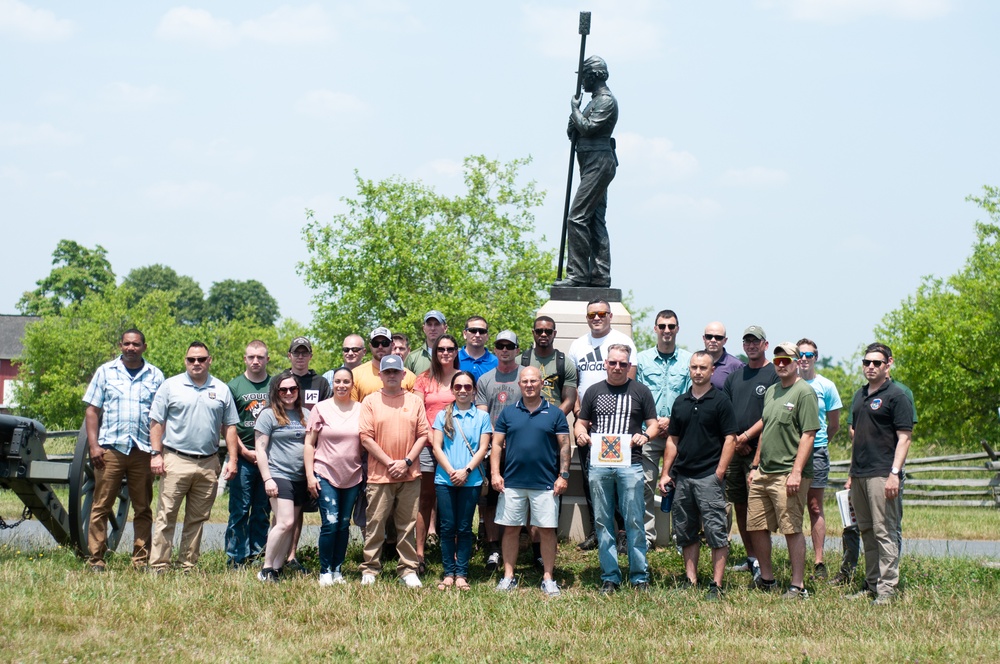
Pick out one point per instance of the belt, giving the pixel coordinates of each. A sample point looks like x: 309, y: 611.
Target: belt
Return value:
x: 196, y: 457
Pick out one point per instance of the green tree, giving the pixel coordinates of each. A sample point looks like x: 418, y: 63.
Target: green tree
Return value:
x: 231, y: 299
x: 188, y: 296
x: 945, y: 343
x: 401, y: 249
x: 78, y: 273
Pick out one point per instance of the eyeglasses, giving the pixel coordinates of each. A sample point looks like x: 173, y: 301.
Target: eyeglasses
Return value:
x: 447, y: 349
x: 752, y: 341
x: 477, y: 330
x: 782, y: 361
x: 869, y: 363
x: 381, y: 344
x: 541, y: 330
x: 808, y: 355
x: 351, y: 349
x: 463, y: 388
x: 714, y: 337
x: 597, y: 314
x: 504, y: 346
x: 197, y: 360
x: 666, y: 326
x: 302, y: 353
x: 617, y: 363
x: 288, y: 390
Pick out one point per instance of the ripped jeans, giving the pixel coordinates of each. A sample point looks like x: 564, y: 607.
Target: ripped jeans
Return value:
x: 335, y: 508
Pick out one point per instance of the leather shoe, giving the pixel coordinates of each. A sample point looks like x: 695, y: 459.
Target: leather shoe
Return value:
x: 588, y: 544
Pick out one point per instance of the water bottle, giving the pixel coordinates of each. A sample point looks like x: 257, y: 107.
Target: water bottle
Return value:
x: 668, y: 498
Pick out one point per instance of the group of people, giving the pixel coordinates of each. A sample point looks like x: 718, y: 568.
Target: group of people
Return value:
x: 412, y: 441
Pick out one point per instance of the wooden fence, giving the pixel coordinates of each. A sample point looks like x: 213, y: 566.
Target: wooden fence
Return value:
x: 967, y: 484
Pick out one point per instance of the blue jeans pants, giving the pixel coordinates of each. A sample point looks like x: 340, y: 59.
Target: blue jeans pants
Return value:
x: 335, y: 508
x: 629, y: 484
x: 249, y: 514
x: 456, y: 506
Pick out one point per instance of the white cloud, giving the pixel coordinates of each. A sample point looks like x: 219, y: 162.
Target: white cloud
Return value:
x: 654, y: 159
x: 124, y: 96
x: 329, y: 104
x: 31, y: 24
x: 188, y: 194
x: 619, y: 31
x: 755, y: 176
x: 285, y: 25
x: 681, y: 206
x: 842, y: 11
x: 15, y: 134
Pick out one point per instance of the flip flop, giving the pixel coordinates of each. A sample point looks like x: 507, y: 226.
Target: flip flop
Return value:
x: 446, y: 583
x: 462, y: 584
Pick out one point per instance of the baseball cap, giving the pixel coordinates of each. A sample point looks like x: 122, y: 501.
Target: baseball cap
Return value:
x: 506, y: 335
x: 755, y: 331
x: 391, y: 362
x: 380, y: 332
x: 788, y: 349
x: 298, y: 342
x: 434, y: 313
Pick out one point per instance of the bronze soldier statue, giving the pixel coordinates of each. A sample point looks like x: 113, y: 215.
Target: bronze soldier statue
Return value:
x: 589, y: 254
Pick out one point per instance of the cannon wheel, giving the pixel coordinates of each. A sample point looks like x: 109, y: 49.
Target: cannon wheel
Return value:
x: 81, y: 499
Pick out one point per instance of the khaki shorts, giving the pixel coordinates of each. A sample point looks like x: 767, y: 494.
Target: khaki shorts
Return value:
x: 769, y: 507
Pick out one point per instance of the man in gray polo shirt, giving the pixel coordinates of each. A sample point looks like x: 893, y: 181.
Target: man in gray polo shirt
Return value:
x: 189, y: 411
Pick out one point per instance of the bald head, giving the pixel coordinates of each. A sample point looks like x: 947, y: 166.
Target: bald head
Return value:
x: 715, y: 339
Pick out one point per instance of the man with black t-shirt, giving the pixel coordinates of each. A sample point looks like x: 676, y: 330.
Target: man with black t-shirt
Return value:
x: 745, y: 387
x: 618, y: 406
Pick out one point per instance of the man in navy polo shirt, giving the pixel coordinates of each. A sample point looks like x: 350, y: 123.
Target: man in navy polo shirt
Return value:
x: 535, y: 436
x: 474, y: 357
x: 701, y: 440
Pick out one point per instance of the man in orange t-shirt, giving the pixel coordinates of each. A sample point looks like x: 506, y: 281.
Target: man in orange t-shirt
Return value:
x: 393, y: 428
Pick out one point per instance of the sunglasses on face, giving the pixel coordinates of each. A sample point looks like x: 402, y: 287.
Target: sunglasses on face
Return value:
x: 666, y: 326
x: 463, y: 388
x: 288, y: 390
x: 782, y: 361
x: 385, y: 343
x: 505, y: 346
x: 541, y: 331
x: 447, y: 349
x: 598, y: 314
x: 808, y: 355
x: 714, y: 337
x: 196, y: 360
x: 617, y: 363
x: 351, y: 349
x: 876, y: 363
x: 477, y: 330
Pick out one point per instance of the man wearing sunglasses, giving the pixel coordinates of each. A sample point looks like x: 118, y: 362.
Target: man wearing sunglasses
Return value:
x: 715, y: 345
x: 828, y: 399
x: 367, y: 378
x: 558, y: 376
x: 664, y: 369
x: 587, y: 354
x: 782, y: 471
x: 353, y: 352
x: 189, y: 412
x: 882, y: 424
x: 435, y: 326
x: 474, y: 357
x: 745, y: 388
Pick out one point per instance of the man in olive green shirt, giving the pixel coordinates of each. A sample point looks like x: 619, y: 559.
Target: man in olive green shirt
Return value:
x: 782, y: 470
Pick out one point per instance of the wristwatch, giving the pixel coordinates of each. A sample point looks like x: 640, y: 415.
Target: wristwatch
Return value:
x: 468, y: 471
x: 409, y: 462
x: 896, y: 471
x: 564, y: 474
x: 155, y: 453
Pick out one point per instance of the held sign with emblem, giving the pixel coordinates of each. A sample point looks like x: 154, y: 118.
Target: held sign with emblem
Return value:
x: 876, y: 404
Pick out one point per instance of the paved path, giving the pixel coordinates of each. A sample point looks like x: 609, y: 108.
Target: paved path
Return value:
x: 31, y: 535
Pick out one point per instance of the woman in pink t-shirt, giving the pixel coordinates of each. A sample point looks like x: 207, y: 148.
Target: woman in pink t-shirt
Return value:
x: 434, y: 386
x: 333, y: 471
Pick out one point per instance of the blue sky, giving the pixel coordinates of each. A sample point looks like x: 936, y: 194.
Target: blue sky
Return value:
x: 797, y: 164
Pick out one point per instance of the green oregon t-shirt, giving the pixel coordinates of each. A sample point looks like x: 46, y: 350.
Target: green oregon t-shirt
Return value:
x: 788, y: 412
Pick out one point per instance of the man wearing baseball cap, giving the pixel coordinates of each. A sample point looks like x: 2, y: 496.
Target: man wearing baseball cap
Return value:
x: 745, y: 388
x: 367, y: 377
x: 782, y: 470
x: 434, y: 326
x: 312, y: 386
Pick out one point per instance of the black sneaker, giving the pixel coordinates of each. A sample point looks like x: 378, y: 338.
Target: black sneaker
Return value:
x: 622, y: 543
x: 819, y: 571
x: 842, y: 578
x: 714, y: 593
x: 293, y: 565
x: 609, y: 588
x: 686, y: 584
x: 588, y: 544
x: 268, y: 575
x: 763, y: 585
x: 642, y: 586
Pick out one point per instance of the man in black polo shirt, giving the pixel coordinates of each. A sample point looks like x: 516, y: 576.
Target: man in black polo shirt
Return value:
x: 701, y: 438
x: 882, y: 425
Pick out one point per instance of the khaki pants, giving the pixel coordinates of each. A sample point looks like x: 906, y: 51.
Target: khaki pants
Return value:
x: 133, y: 467
x: 398, y: 501
x: 197, y: 480
x: 878, y: 521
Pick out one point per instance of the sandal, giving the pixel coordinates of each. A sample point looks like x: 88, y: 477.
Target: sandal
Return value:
x: 462, y: 584
x: 446, y: 583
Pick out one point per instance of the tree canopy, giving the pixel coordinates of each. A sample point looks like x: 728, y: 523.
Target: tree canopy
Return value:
x: 945, y: 343
x: 401, y: 249
x: 231, y: 299
x: 78, y: 272
x: 188, y: 300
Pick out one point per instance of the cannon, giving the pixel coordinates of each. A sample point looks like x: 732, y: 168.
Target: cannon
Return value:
x: 26, y: 470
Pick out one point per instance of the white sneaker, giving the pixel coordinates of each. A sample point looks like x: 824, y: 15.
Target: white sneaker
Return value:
x: 325, y: 579
x: 550, y: 587
x: 338, y: 578
x: 412, y: 581
x: 367, y: 579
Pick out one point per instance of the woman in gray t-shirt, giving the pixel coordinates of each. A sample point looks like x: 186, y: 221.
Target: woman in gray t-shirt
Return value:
x: 279, y: 435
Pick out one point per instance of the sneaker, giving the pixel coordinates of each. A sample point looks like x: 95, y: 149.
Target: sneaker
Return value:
x: 368, y: 579
x: 550, y: 587
x: 641, y: 587
x: 686, y: 584
x: 492, y: 562
x: 294, y: 565
x: 268, y: 575
x: 767, y: 586
x: 714, y: 593
x: 884, y: 599
x: 507, y: 584
x: 622, y: 543
x: 864, y: 593
x: 588, y: 544
x: 794, y: 592
x: 755, y: 568
x: 97, y: 569
x: 325, y: 579
x: 339, y: 579
x: 412, y: 580
x: 745, y: 566
x: 819, y: 571
x: 842, y: 578
x: 609, y: 588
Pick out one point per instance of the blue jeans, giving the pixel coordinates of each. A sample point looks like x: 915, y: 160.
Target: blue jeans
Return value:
x: 335, y: 507
x: 455, y: 507
x: 629, y: 484
x: 249, y: 514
